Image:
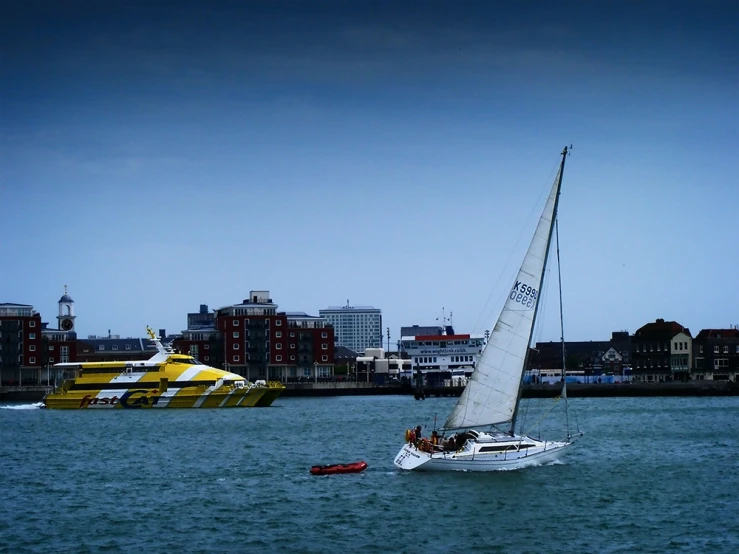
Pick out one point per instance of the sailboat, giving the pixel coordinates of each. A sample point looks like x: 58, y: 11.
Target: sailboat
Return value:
x: 484, y: 418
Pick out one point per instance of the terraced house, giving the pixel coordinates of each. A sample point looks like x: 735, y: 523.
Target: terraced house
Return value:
x: 716, y: 354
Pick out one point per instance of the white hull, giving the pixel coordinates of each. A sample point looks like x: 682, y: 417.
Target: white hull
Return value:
x: 471, y: 458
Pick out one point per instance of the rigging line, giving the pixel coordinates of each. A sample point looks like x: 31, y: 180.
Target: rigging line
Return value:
x: 484, y: 313
x: 556, y: 400
x: 562, y: 328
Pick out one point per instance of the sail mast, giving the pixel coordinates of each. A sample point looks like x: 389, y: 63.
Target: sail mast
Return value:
x: 541, y: 282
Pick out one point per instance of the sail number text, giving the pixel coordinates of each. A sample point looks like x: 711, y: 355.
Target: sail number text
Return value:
x: 524, y: 294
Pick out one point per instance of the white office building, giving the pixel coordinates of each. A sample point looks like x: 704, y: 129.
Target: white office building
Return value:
x: 355, y: 327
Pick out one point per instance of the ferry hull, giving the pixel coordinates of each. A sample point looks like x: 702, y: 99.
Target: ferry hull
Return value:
x: 193, y: 397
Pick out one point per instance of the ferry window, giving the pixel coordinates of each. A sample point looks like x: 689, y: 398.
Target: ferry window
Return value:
x: 324, y: 347
x: 128, y: 347
x: 324, y: 358
x: 278, y: 334
x: 235, y: 322
x: 115, y: 347
x: 32, y: 348
x: 31, y: 360
x: 236, y: 346
x: 278, y: 346
x: 31, y: 335
x: 278, y: 322
x: 324, y: 335
x: 236, y: 334
x: 32, y: 324
x: 101, y: 347
x: 235, y: 358
x: 278, y: 358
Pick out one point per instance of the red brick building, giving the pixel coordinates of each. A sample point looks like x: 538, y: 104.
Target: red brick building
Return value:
x: 21, y: 344
x: 257, y: 341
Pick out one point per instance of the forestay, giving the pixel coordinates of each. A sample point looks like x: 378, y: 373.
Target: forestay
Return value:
x: 491, y: 394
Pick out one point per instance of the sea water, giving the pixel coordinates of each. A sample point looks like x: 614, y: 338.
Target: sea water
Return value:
x: 649, y: 475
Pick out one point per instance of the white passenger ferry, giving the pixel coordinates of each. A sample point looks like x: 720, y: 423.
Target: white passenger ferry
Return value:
x: 444, y: 358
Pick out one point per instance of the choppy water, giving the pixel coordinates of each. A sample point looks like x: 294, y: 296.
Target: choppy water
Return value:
x: 650, y: 475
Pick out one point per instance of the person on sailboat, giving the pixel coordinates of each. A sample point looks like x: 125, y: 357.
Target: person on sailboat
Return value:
x: 418, y: 434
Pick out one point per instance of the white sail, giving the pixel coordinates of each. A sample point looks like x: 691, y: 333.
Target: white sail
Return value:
x: 491, y: 394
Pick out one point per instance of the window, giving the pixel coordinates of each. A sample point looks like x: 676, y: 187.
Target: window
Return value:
x: 292, y: 358
x: 324, y: 358
x: 726, y: 349
x: 324, y: 335
x: 292, y: 346
x: 278, y: 358
x: 278, y: 334
x: 715, y: 349
x: 51, y: 347
x: 31, y: 361
x: 51, y: 360
x: 207, y: 347
x: 32, y: 348
x: 278, y: 322
x: 128, y: 347
x: 235, y: 323
x: 236, y: 346
x: 235, y: 358
x: 737, y: 348
x: 32, y: 324
x: 236, y: 334
x: 292, y: 335
x: 324, y: 346
x: 31, y: 335
x: 115, y: 347
x: 701, y: 348
x: 207, y: 358
x: 278, y: 346
x: 101, y: 347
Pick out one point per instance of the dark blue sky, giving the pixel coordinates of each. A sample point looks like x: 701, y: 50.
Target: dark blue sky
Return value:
x: 219, y: 133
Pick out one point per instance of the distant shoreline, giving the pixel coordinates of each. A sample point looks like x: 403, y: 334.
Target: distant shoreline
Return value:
x: 574, y: 390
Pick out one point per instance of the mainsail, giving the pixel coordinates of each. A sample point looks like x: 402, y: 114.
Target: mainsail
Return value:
x: 491, y: 395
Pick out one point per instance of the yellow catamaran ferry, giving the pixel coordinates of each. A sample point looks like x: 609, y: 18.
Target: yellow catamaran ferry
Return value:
x: 166, y: 380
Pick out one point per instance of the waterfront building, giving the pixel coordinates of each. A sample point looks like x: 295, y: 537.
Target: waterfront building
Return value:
x: 716, y: 354
x: 21, y: 353
x: 259, y: 342
x: 202, y: 319
x: 592, y: 360
x: 355, y: 327
x: 380, y: 367
x: 113, y: 348
x: 660, y: 352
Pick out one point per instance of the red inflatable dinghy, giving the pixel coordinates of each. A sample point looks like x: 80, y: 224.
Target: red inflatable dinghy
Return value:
x: 356, y: 467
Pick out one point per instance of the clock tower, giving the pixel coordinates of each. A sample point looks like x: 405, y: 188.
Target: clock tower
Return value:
x: 66, y: 312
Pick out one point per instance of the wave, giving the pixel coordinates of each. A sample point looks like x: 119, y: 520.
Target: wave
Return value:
x: 34, y: 406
